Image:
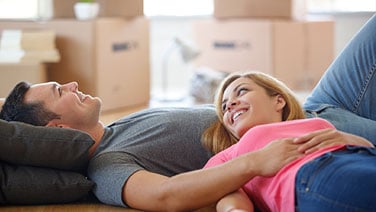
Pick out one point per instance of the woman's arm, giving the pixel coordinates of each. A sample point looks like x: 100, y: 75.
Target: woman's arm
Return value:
x: 191, y: 190
x: 329, y: 137
x: 237, y: 201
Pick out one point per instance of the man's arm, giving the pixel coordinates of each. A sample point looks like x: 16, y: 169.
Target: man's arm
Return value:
x: 191, y: 190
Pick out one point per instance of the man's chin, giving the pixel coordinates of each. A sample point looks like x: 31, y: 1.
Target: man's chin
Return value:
x: 98, y: 103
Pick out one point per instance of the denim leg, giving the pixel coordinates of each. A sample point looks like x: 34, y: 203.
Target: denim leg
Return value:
x: 339, y: 181
x: 349, y: 82
x: 347, y: 121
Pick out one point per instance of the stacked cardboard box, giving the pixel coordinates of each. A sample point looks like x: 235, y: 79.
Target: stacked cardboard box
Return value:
x: 269, y: 37
x: 107, y: 56
x: 28, y: 46
x: 23, y: 54
x: 11, y: 73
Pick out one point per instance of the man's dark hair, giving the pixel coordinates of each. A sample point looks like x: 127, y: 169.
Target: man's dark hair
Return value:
x: 15, y: 108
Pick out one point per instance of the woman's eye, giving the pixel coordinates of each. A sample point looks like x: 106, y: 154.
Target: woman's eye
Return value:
x: 224, y: 107
x: 241, y: 91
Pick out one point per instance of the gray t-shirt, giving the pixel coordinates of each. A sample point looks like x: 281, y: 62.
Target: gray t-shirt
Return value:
x: 166, y: 141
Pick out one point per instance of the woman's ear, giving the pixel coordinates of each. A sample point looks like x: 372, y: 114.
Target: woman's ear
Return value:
x: 280, y: 102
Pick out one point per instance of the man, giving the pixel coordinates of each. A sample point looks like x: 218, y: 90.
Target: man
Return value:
x: 145, y: 160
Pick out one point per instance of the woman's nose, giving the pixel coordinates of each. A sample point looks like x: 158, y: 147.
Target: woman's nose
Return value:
x: 231, y: 104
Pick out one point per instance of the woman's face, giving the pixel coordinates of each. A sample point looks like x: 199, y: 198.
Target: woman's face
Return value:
x: 246, y: 104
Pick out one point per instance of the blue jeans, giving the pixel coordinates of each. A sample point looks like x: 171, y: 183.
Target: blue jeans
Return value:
x: 338, y: 181
x: 346, y: 93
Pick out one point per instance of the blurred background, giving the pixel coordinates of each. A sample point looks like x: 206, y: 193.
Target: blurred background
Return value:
x: 154, y: 52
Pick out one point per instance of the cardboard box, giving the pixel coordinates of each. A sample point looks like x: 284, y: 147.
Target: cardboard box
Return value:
x: 62, y: 9
x: 107, y: 8
x: 12, y: 73
x: 121, y: 8
x: 108, y: 57
x: 28, y: 46
x: 297, y: 52
x: 318, y: 50
x: 288, y: 9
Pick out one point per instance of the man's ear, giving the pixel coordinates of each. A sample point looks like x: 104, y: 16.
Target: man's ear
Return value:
x: 56, y: 123
x: 2, y: 100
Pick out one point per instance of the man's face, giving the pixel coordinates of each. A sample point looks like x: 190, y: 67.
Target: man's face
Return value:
x: 76, y: 109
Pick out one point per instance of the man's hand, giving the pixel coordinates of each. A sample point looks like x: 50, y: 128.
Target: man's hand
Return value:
x: 276, y: 155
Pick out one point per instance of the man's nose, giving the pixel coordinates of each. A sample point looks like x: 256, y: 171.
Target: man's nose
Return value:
x: 72, y: 86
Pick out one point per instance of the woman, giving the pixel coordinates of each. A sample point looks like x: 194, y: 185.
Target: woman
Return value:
x: 256, y: 108
x: 344, y: 97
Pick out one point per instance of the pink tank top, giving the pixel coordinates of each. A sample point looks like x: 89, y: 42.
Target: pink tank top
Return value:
x: 274, y: 193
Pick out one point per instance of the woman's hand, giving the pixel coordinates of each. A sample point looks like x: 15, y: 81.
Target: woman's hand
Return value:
x: 328, y: 137
x: 237, y: 201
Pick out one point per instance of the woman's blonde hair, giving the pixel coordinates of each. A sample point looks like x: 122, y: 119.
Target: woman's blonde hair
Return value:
x: 216, y: 138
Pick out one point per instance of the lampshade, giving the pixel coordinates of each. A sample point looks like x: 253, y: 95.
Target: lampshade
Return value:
x: 188, y: 53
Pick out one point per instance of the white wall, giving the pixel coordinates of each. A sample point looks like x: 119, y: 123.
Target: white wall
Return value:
x: 347, y: 24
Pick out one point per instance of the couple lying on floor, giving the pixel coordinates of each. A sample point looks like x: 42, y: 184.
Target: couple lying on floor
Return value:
x: 260, y: 148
